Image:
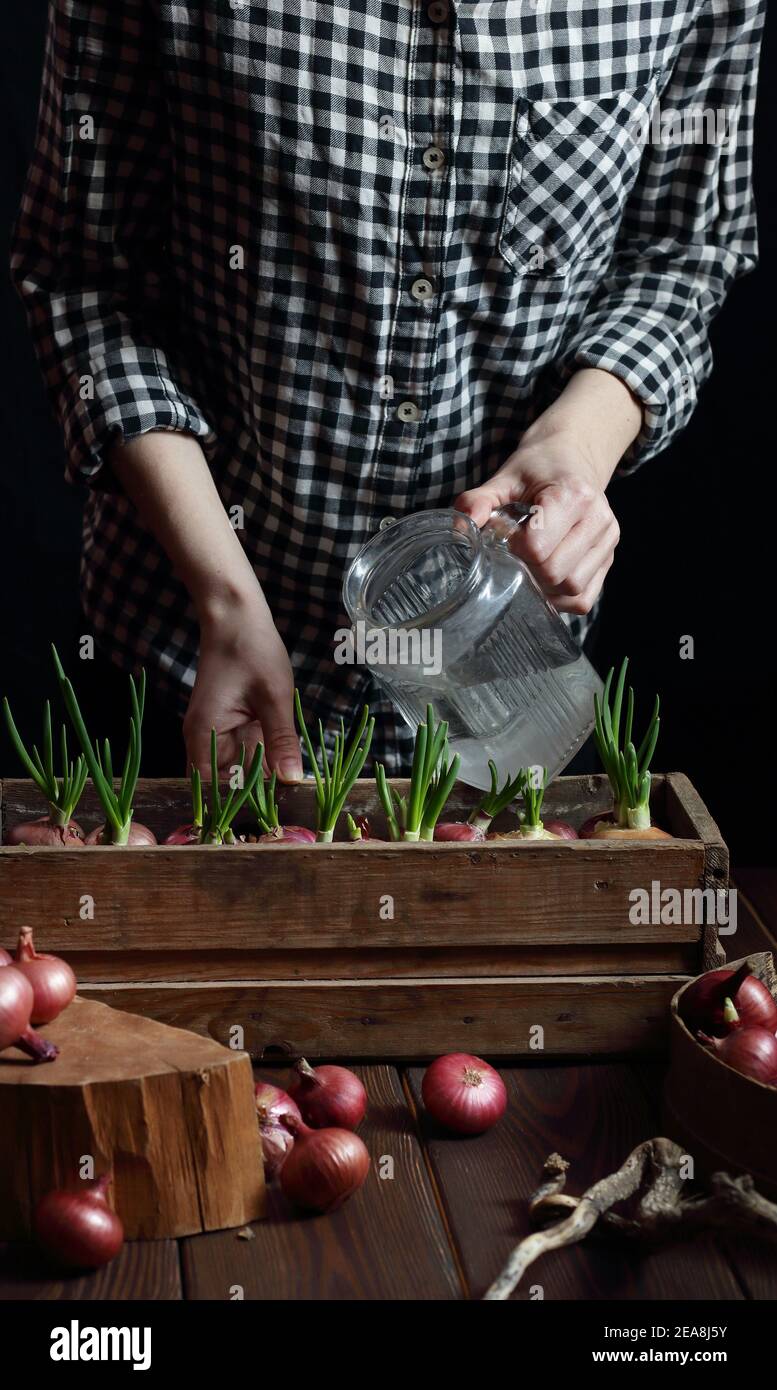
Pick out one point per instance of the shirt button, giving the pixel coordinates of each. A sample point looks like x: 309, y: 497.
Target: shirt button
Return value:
x: 437, y: 11
x: 433, y: 157
x: 387, y: 521
x: 408, y: 411
x: 422, y: 289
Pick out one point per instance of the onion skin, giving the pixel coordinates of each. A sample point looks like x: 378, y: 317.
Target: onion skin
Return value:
x: 329, y: 1096
x: 617, y: 832
x: 605, y: 827
x: 703, y: 1002
x: 16, y: 1000
x: 587, y: 830
x: 44, y: 832
x: 751, y: 1051
x: 184, y: 835
x: 561, y: 829
x: 5, y: 959
x: 324, y: 1168
x: 464, y: 1093
x: 77, y: 1228
x: 279, y: 1119
x: 458, y: 830
x: 53, y: 982
x: 290, y: 835
x: 138, y: 835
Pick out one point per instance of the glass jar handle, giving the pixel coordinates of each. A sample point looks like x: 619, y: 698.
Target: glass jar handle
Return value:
x: 504, y: 522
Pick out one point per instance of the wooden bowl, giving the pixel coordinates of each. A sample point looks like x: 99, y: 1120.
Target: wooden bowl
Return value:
x: 725, y: 1121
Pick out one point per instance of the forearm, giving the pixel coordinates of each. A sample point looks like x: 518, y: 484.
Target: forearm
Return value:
x: 165, y: 474
x: 596, y: 412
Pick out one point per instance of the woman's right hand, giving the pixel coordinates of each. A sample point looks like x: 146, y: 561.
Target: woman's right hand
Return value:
x: 244, y: 689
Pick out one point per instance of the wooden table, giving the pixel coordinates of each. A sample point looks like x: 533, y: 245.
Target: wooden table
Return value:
x: 437, y: 1215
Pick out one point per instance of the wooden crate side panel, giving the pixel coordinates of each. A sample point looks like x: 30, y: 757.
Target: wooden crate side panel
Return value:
x: 430, y: 895
x: 420, y: 1018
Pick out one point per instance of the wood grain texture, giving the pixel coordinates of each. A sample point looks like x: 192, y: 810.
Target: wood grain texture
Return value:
x: 169, y: 1114
x: 417, y: 1018
x: 754, y: 1262
x: 309, y: 896
x: 226, y: 964
x: 386, y: 1242
x: 593, y: 1116
x: 144, y: 1269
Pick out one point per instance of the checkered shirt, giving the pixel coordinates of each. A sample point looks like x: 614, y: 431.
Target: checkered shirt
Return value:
x: 355, y: 247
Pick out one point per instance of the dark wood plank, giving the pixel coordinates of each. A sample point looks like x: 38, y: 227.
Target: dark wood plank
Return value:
x: 593, y: 1116
x: 387, y: 1242
x: 759, y: 888
x: 416, y: 1018
x: 753, y: 1262
x: 145, y: 1269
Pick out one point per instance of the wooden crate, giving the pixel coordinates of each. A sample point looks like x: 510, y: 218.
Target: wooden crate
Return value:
x: 382, y: 950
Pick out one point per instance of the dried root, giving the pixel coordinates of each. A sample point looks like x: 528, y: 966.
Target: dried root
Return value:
x: 651, y: 1179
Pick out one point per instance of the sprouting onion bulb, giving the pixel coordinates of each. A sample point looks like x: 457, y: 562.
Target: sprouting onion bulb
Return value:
x: 119, y: 828
x: 265, y: 808
x: 217, y: 829
x: 415, y: 816
x: 62, y: 793
x: 627, y: 767
x: 490, y: 805
x: 191, y: 832
x: 335, y: 778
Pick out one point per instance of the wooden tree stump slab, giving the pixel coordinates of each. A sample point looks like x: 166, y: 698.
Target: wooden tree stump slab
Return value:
x: 169, y: 1113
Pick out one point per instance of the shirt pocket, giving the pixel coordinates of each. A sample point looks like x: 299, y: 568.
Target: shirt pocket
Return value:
x: 571, y: 168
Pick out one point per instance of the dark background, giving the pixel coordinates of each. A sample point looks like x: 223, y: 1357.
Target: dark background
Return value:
x: 698, y: 532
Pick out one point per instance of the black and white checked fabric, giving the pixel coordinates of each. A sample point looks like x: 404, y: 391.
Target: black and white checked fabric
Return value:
x: 355, y: 246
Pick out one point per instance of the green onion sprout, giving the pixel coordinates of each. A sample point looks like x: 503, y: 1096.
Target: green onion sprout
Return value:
x: 62, y: 793
x: 335, y: 778
x: 626, y: 766
x: 117, y: 805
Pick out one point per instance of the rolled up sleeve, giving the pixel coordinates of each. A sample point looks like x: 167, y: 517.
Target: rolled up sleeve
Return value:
x: 88, y: 245
x: 688, y: 230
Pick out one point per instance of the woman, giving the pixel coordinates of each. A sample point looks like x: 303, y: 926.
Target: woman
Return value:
x: 294, y: 269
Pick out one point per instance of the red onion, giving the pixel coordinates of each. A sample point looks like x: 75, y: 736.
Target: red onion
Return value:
x: 589, y: 827
x: 752, y: 1051
x: 329, y: 1096
x: 138, y: 835
x: 5, y: 959
x: 561, y: 829
x: 44, y: 831
x: 184, y: 835
x: 290, y: 834
x: 77, y: 1228
x: 458, y: 830
x: 702, y: 1003
x: 53, y: 982
x: 464, y: 1093
x: 16, y: 1000
x: 274, y: 1108
x: 324, y: 1168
